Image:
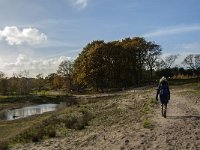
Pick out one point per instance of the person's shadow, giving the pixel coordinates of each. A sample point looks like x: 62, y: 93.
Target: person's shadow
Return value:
x: 194, y: 117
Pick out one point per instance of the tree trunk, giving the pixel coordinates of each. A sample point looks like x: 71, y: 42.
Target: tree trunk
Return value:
x: 151, y: 70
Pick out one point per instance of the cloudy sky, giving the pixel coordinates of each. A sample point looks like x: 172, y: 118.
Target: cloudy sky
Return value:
x: 36, y: 35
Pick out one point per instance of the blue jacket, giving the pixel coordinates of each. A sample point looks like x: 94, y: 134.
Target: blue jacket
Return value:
x: 163, y: 92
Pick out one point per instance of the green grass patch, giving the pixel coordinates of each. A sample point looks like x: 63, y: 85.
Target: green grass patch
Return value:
x: 147, y: 124
x: 146, y: 109
x: 153, y: 102
x: 148, y: 106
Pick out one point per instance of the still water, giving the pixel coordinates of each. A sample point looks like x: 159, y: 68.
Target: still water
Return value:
x: 13, y: 114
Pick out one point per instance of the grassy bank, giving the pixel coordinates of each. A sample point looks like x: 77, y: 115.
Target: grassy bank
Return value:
x: 181, y: 82
x: 10, y: 130
x: 86, y: 114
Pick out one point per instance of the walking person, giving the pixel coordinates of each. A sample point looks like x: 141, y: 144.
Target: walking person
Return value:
x: 164, y: 95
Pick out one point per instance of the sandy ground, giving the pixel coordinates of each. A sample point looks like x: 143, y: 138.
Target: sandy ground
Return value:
x: 181, y: 128
x: 179, y: 131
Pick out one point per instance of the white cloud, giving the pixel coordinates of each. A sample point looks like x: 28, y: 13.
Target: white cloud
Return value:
x: 14, y: 36
x: 1, y: 61
x: 34, y: 66
x: 193, y: 48
x: 171, y: 31
x: 80, y: 3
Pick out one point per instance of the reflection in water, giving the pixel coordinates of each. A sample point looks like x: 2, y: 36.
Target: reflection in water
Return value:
x: 28, y: 111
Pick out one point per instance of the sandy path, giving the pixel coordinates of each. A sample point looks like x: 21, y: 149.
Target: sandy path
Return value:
x: 180, y: 130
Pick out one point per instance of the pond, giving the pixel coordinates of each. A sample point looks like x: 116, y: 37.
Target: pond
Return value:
x: 12, y: 114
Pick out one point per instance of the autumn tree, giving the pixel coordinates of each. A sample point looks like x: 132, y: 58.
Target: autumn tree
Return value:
x: 57, y: 82
x: 114, y: 64
x: 50, y: 78
x: 140, y: 48
x: 65, y: 71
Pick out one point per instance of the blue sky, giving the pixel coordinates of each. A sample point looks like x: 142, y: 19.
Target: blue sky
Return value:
x: 37, y: 35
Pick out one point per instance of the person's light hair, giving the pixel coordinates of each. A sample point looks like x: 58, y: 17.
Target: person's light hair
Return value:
x: 163, y: 79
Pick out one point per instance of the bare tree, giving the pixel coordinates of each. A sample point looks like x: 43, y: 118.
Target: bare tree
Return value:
x: 2, y: 74
x: 170, y: 60
x: 24, y: 82
x: 40, y: 82
x: 154, y: 51
x: 57, y: 82
x: 3, y: 84
x: 192, y: 61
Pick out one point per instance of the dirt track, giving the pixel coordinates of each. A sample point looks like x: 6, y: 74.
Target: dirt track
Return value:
x: 180, y: 130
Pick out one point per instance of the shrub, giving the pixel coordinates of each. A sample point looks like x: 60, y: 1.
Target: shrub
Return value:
x: 78, y: 122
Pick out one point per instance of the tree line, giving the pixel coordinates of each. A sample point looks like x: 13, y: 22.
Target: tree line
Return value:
x: 115, y: 64
x: 127, y: 62
x: 21, y: 84
x: 103, y: 65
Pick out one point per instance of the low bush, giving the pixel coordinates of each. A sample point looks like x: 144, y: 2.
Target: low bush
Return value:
x: 78, y: 122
